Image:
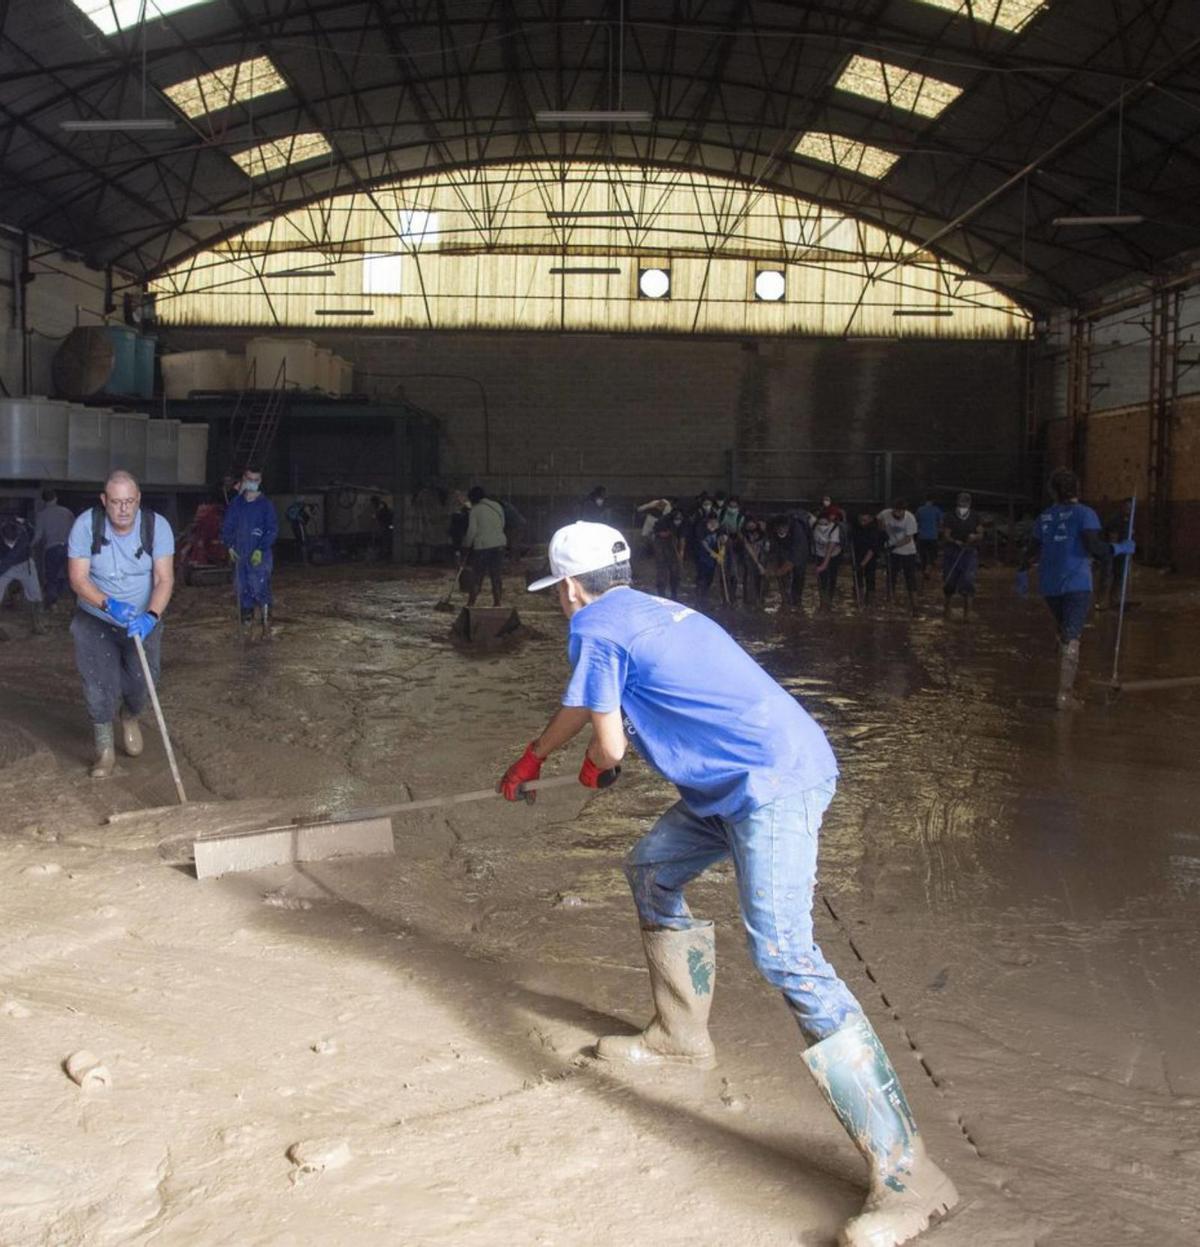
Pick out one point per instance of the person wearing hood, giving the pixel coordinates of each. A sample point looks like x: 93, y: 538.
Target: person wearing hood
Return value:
x: 17, y: 566
x: 594, y: 508
x: 963, y: 530
x: 249, y: 530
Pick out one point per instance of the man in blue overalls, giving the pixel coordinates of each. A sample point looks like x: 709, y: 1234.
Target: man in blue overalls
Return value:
x: 248, y: 531
x: 755, y: 775
x: 1065, y: 539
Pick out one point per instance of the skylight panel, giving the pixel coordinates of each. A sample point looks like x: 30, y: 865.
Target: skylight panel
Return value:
x: 382, y: 273
x: 901, y: 88
x: 848, y: 154
x: 1008, y: 15
x: 222, y: 88
x: 292, y: 149
x: 112, y: 15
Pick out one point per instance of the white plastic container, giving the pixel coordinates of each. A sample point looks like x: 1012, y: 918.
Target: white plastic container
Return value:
x: 323, y: 371
x: 127, y: 442
x: 192, y: 463
x: 33, y: 438
x: 87, y: 442
x: 162, y: 452
x: 298, y: 356
x: 185, y: 372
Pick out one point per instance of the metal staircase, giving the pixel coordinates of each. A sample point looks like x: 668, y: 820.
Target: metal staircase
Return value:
x: 256, y: 419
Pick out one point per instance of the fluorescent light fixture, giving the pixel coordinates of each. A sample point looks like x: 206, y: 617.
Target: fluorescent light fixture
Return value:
x: 591, y: 214
x: 595, y: 270
x: 110, y: 16
x: 1115, y: 218
x: 1016, y: 275
x: 112, y: 125
x: 893, y: 84
x: 552, y: 116
x: 922, y: 311
x: 654, y: 283
x: 289, y: 149
x: 1009, y: 15
x: 349, y: 311
x: 769, y: 285
x: 235, y: 217
x: 222, y: 88
x: 844, y: 153
x: 301, y: 272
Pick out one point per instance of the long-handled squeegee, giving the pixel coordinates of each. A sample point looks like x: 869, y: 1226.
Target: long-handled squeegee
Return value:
x: 357, y: 833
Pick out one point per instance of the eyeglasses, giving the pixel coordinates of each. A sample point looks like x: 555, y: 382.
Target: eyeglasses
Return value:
x: 123, y: 504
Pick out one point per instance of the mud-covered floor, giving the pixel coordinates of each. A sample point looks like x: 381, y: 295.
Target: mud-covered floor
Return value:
x: 1014, y: 894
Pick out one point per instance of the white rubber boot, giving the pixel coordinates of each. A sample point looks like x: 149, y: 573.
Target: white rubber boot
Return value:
x: 1068, y: 666
x: 683, y: 969
x: 106, y: 757
x: 906, y: 1188
x: 131, y: 734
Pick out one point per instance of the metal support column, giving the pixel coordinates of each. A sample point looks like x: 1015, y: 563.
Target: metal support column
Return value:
x: 1079, y: 393
x: 1164, y: 371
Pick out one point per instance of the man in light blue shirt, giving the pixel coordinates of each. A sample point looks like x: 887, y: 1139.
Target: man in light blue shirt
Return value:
x: 755, y: 774
x: 121, y: 565
x: 929, y: 529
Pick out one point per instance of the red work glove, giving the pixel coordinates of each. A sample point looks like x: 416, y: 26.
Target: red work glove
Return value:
x: 529, y: 767
x: 591, y: 776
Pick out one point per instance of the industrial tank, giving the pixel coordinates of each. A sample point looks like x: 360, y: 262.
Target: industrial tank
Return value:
x: 127, y: 442
x: 298, y: 355
x: 33, y: 438
x: 87, y: 442
x: 162, y: 452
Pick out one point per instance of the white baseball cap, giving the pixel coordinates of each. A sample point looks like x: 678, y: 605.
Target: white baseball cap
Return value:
x: 582, y: 547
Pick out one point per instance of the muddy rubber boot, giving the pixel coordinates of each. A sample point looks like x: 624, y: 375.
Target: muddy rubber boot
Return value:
x: 106, y: 757
x: 266, y: 623
x: 682, y: 970
x: 131, y: 735
x: 906, y: 1188
x: 1067, y: 667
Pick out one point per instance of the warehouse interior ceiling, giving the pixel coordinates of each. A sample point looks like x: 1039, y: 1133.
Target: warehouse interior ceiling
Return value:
x: 963, y: 128
x: 584, y: 246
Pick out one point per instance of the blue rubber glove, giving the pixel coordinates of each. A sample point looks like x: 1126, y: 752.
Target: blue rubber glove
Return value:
x: 256, y: 558
x: 122, y: 612
x: 143, y: 625
x: 1123, y: 547
x: 1022, y: 585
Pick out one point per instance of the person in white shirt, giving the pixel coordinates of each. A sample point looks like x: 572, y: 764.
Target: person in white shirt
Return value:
x: 485, y: 543
x: 900, y: 526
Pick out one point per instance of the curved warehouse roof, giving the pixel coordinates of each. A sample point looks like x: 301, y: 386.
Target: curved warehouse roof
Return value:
x: 963, y: 128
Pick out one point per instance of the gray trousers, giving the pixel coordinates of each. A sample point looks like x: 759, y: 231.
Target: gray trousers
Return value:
x: 108, y: 665
x: 26, y: 576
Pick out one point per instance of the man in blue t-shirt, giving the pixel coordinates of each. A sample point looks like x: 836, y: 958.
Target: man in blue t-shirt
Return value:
x: 755, y: 775
x: 929, y: 528
x: 1065, y: 539
x: 122, y: 588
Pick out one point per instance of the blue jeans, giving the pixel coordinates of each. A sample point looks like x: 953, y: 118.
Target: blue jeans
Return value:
x: 774, y: 851
x: 1070, y: 611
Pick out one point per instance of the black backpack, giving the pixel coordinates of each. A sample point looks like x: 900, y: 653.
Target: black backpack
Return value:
x: 147, y: 534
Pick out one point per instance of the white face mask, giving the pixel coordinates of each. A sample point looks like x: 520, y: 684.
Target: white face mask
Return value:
x: 962, y: 512
x: 251, y: 487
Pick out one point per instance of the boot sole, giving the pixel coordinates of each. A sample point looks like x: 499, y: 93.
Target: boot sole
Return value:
x: 909, y: 1223
x: 650, y: 1062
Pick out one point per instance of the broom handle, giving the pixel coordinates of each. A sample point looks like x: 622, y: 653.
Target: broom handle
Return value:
x: 435, y: 803
x: 162, y: 723
x: 1124, y: 588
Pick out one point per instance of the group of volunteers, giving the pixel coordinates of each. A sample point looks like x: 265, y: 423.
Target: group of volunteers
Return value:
x: 738, y: 555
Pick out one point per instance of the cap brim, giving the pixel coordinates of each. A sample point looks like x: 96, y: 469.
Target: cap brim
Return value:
x: 544, y: 583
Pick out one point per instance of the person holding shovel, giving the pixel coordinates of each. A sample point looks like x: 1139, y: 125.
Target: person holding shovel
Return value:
x: 121, y: 567
x: 755, y: 775
x: 963, y: 531
x: 1065, y: 539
